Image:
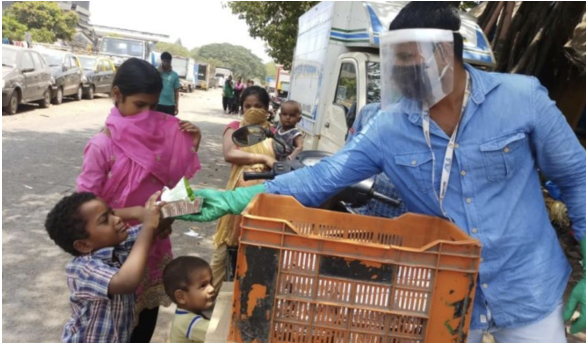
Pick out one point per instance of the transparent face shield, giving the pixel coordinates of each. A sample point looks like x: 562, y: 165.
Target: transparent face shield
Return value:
x: 416, y: 64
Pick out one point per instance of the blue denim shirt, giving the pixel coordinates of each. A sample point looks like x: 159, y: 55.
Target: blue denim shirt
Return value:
x: 382, y: 183
x: 510, y: 129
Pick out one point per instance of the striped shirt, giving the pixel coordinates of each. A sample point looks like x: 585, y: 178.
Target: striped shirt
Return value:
x: 188, y: 327
x: 98, y: 317
x: 287, y: 138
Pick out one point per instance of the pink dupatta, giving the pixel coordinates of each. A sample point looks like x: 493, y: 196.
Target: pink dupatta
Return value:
x: 153, y: 141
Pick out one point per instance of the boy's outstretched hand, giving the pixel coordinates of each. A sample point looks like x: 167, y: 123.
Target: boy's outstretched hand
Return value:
x: 217, y: 204
x: 127, y: 279
x: 152, y: 212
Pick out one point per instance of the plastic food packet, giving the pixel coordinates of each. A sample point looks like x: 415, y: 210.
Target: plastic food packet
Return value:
x: 180, y: 200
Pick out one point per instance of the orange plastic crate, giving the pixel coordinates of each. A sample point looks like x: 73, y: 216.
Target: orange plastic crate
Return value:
x: 310, y: 275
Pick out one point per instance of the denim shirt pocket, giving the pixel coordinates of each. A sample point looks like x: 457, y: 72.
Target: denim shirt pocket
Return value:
x: 418, y: 170
x: 503, y: 155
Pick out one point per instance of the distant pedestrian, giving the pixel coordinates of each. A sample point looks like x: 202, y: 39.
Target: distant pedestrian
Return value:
x: 238, y: 89
x: 228, y: 94
x: 169, y: 100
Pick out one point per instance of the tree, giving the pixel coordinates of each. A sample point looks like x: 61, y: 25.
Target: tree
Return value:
x: 45, y: 20
x: 42, y: 35
x: 239, y: 59
x: 172, y: 48
x: 12, y: 29
x: 466, y: 5
x: 276, y: 22
x: 271, y: 70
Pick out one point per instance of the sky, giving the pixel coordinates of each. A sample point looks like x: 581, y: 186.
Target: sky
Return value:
x: 196, y: 23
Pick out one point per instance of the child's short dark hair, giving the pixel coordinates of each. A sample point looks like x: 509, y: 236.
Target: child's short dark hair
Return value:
x: 295, y: 103
x: 177, y: 274
x: 137, y: 76
x: 65, y: 224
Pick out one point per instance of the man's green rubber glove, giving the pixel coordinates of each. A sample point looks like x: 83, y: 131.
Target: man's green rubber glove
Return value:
x: 217, y: 204
x: 577, y: 299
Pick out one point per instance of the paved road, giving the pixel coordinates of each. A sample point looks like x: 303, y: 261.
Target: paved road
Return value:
x: 41, y: 158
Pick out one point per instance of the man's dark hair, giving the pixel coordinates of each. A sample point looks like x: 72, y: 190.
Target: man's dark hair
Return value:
x: 178, y: 274
x: 166, y: 56
x: 65, y: 224
x: 137, y: 76
x: 431, y: 15
x: 258, y: 91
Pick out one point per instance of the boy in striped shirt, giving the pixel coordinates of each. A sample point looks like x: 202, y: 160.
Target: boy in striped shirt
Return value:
x: 108, y: 264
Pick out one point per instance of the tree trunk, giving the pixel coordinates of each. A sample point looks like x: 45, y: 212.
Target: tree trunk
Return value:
x: 485, y: 17
x: 502, y: 33
x: 553, y: 21
x: 493, y: 18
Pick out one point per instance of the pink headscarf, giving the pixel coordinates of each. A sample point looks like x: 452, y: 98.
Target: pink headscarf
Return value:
x: 154, y: 141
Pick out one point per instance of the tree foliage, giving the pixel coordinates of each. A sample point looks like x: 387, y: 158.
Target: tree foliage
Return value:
x: 12, y: 29
x: 276, y: 22
x: 271, y: 70
x: 42, y: 35
x: 466, y: 5
x: 45, y: 20
x: 172, y: 48
x: 237, y: 58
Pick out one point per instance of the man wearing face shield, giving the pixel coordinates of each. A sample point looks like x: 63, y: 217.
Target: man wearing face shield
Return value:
x: 465, y: 145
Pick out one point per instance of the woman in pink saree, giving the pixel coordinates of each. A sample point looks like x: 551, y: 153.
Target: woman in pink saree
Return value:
x: 138, y: 153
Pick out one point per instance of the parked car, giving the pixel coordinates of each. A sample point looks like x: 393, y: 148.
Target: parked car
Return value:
x: 99, y: 73
x: 66, y: 71
x: 25, y: 78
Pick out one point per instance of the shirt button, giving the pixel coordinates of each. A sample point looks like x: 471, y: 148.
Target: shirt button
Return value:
x: 456, y: 145
x: 468, y: 200
x: 481, y: 260
x: 413, y: 162
x: 474, y: 230
x: 485, y: 286
x: 463, y: 173
x: 506, y: 149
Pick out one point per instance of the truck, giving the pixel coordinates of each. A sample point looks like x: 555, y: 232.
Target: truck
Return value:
x: 184, y: 66
x: 119, y: 44
x: 202, y: 76
x: 282, y: 82
x: 337, y: 65
x: 221, y: 74
x: 120, y: 49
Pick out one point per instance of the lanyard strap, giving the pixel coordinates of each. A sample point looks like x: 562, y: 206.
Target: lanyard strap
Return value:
x: 448, y: 161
